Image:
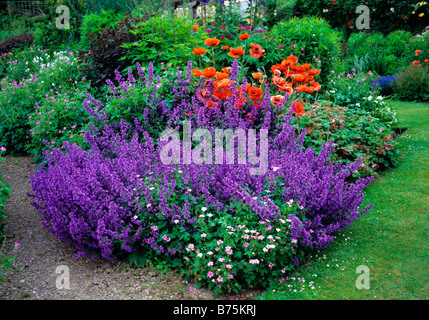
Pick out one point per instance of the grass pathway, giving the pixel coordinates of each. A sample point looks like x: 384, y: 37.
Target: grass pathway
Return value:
x: 392, y: 239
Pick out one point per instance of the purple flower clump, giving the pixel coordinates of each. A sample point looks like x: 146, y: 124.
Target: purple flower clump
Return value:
x: 102, y: 200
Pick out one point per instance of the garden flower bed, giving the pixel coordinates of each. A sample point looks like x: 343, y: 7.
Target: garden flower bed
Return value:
x: 224, y: 151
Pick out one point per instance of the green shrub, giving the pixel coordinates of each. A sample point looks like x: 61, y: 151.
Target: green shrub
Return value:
x: 420, y: 41
x: 164, y: 39
x: 352, y: 90
x: 412, y: 83
x: 47, y: 35
x: 237, y: 251
x: 369, y: 52
x: 95, y: 22
x: 356, y: 134
x: 396, y: 42
x: 106, y: 53
x: 385, y: 16
x: 40, y: 76
x: 15, y: 42
x: 309, y: 38
x: 4, y: 195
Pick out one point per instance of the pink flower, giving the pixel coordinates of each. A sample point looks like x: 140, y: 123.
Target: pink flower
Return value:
x: 228, y: 266
x: 17, y: 244
x: 230, y: 276
x: 221, y: 259
x: 219, y: 279
x: 210, y: 263
x: 210, y: 274
x: 246, y: 244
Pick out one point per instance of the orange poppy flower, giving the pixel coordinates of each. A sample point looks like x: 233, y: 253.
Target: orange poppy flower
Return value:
x: 211, y: 104
x: 255, y: 93
x: 195, y: 27
x: 210, y: 42
x: 289, y: 90
x: 280, y: 83
x: 221, y: 75
x: 244, y: 36
x: 236, y: 53
x: 222, y: 83
x: 226, y: 70
x: 257, y: 104
x: 426, y: 60
x: 225, y: 47
x: 298, y: 108
x: 209, y: 72
x: 277, y: 73
x: 293, y: 58
x: 257, y: 75
x: 198, y: 51
x: 301, y: 88
x: 313, y: 72
x: 276, y: 100
x: 306, y: 66
x: 316, y: 85
x: 416, y: 63
x: 298, y: 78
x: 310, y: 89
x: 417, y: 52
x: 256, y: 51
x: 197, y: 72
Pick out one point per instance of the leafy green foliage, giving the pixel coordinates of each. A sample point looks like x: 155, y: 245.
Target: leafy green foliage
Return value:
x: 310, y: 39
x: 352, y: 90
x: 4, y: 195
x: 106, y: 53
x: 356, y: 134
x: 163, y: 39
x: 384, y: 55
x: 385, y: 16
x: 234, y: 250
x: 412, y: 83
x: 95, y: 22
x: 15, y: 42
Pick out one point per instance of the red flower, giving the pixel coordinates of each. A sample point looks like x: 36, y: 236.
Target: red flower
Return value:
x: 255, y: 93
x: 298, y: 108
x: 256, y: 51
x: 404, y: 18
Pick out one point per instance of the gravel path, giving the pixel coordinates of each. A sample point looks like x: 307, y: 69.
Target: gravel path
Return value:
x: 33, y: 274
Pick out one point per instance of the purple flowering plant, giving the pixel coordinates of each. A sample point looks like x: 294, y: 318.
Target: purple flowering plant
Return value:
x: 117, y: 198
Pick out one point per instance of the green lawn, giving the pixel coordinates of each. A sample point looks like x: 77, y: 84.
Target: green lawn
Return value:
x: 392, y: 239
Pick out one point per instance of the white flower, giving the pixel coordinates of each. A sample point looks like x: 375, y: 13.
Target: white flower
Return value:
x: 148, y: 205
x: 209, y: 215
x: 370, y: 98
x: 380, y: 98
x: 203, y: 209
x: 135, y: 217
x: 176, y: 221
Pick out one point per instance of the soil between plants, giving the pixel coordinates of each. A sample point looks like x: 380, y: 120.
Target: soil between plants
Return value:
x: 33, y: 275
